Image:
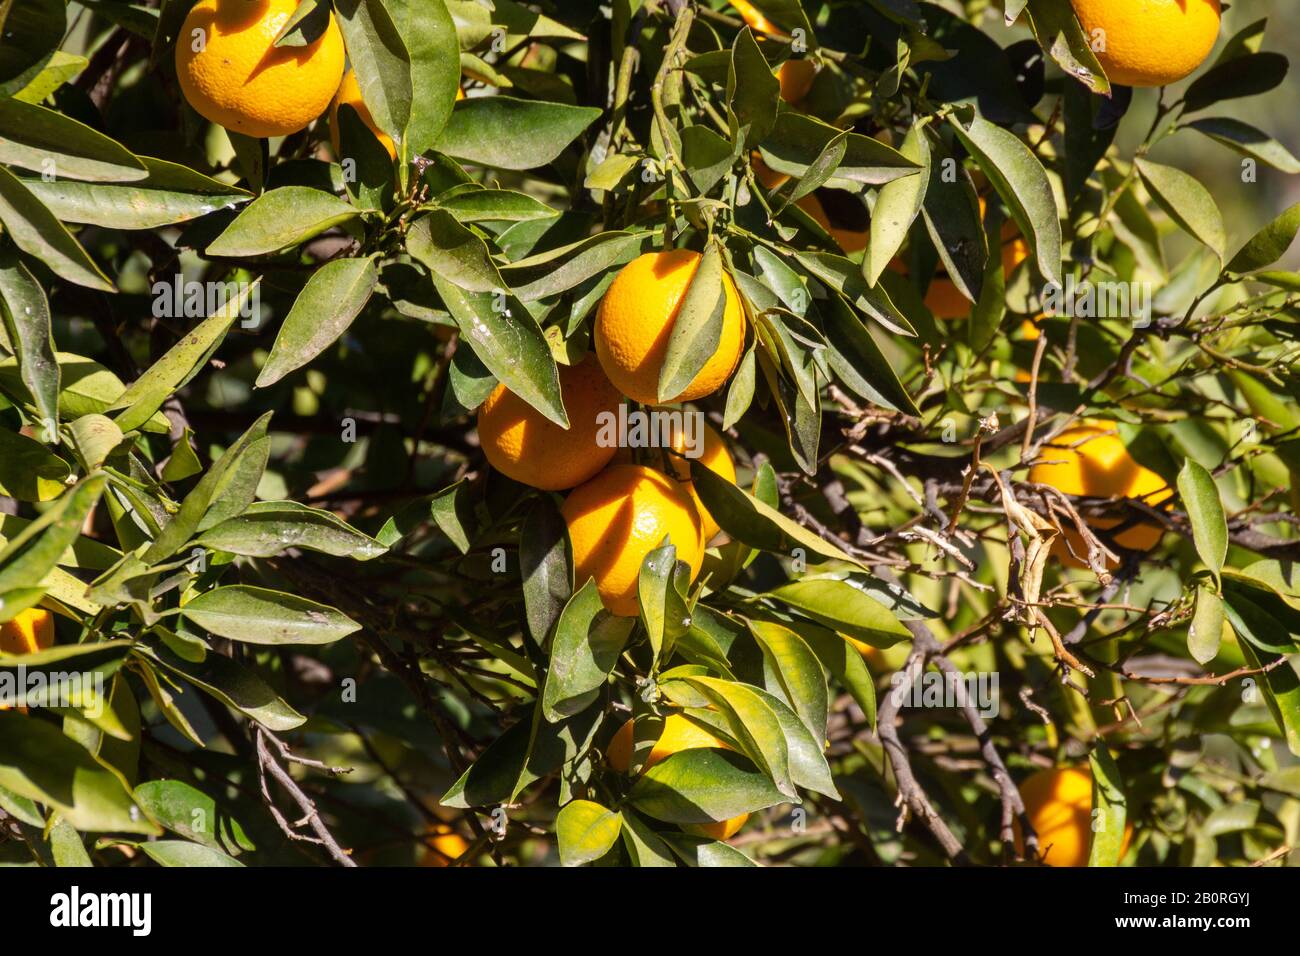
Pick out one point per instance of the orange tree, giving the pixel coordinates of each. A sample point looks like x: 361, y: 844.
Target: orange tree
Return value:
x: 352, y: 374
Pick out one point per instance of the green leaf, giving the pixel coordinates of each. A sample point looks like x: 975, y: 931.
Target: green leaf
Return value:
x: 808, y: 766
x: 32, y: 30
x: 755, y: 523
x: 88, y: 388
x: 170, y: 193
x: 845, y: 663
x: 1281, y: 687
x: 280, y: 219
x: 588, y: 642
x: 802, y: 684
x: 1109, y: 808
x: 495, y: 205
x: 181, y: 853
x: 662, y: 583
x: 897, y: 206
x: 1247, y: 140
x: 57, y: 146
x: 183, y: 525
x: 1206, y: 628
x: 26, y: 317
x: 382, y: 62
x: 752, y: 91
x: 192, y: 814
x: 707, y: 853
x: 234, y: 685
x: 33, y: 553
x: 857, y: 360
x: 753, y: 724
x: 266, y: 529
x: 184, y: 462
x: 697, y: 328
x: 38, y: 762
x: 35, y: 230
x: 453, y: 253
x: 66, y: 846
x: 1059, y: 32
x: 703, y: 785
x: 529, y: 750
x: 507, y: 339
x: 334, y: 295
x: 845, y: 608
x: 1269, y: 244
x: 507, y: 133
x: 645, y: 846
x: 1205, y: 510
x: 1237, y: 77
x: 305, y: 25
x: 182, y: 362
x: 28, y: 470
x: 1187, y: 202
x: 586, y: 831
x: 256, y: 615
x: 554, y: 271
x: 545, y: 566
x: 797, y: 140
x: 1259, y: 614
x: 1019, y: 178
x: 95, y: 437
x: 845, y: 277
x: 429, y: 32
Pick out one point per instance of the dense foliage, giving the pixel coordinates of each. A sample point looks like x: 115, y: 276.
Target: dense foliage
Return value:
x: 239, y: 464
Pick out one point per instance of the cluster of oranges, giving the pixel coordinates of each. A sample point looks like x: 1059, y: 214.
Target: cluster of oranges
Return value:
x: 619, y: 511
x: 232, y: 73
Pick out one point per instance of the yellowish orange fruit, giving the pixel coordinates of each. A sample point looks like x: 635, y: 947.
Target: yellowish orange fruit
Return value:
x: 679, y: 733
x: 636, y: 319
x: 524, y: 445
x: 27, y: 632
x: 238, y: 79
x: 1149, y: 42
x: 442, y: 846
x: 619, y: 517
x: 713, y: 456
x: 1058, y: 804
x: 1091, y: 459
x: 350, y: 93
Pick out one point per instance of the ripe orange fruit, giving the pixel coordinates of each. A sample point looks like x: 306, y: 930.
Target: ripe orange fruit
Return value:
x: 524, y: 445
x: 1149, y: 42
x: 1059, y: 806
x: 636, y: 319
x: 619, y: 517
x: 27, y: 632
x: 796, y: 76
x: 238, y: 80
x: 442, y: 846
x: 350, y: 93
x: 679, y: 733
x: 1090, y: 459
x: 714, y: 457
x: 849, y: 240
